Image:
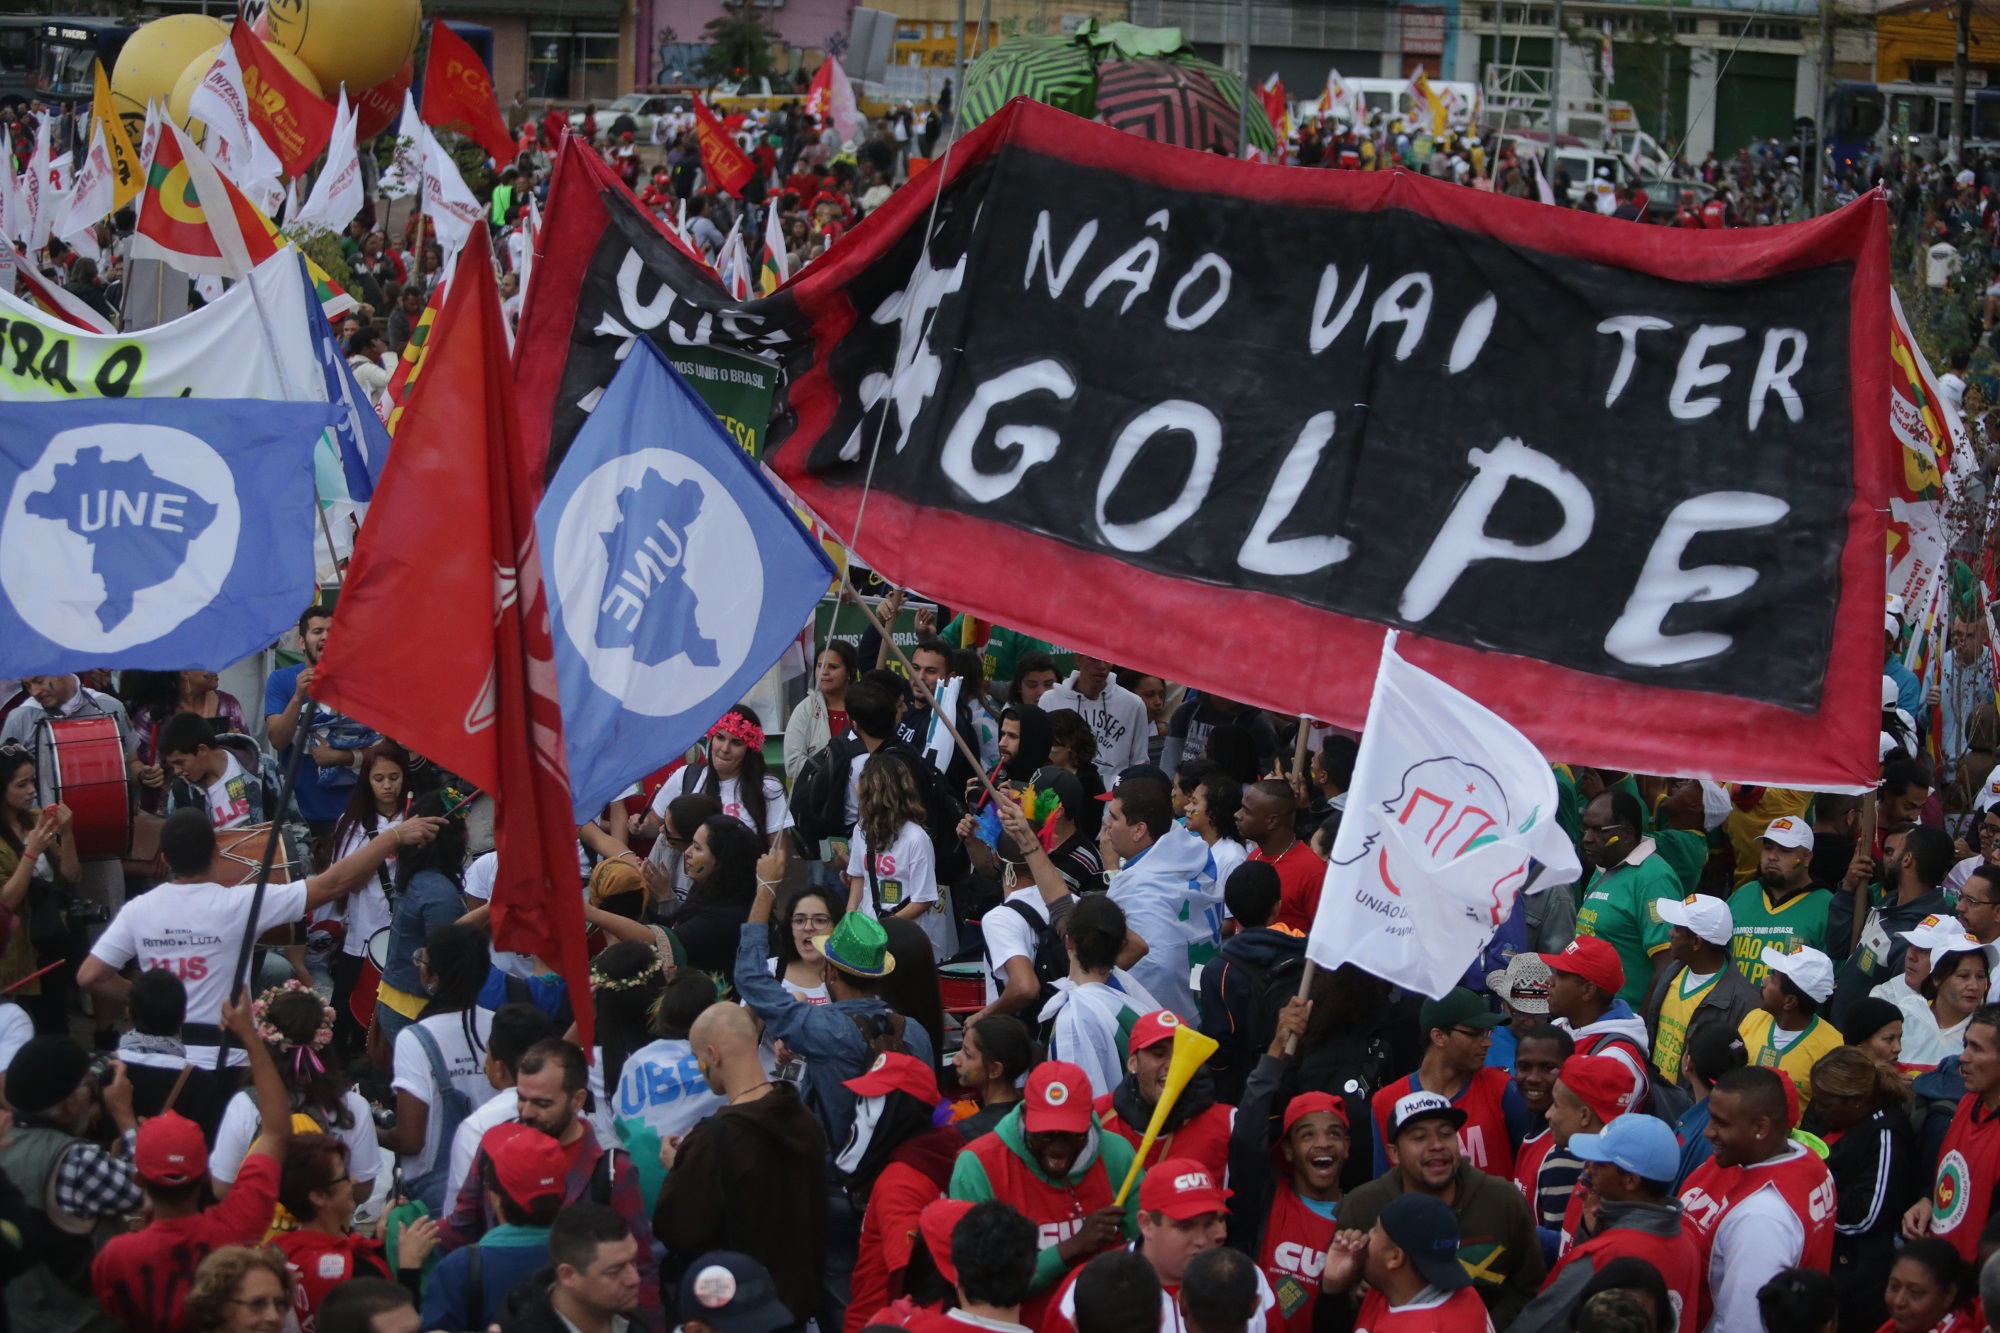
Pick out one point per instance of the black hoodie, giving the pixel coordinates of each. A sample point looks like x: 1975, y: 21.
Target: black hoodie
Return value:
x: 1032, y: 754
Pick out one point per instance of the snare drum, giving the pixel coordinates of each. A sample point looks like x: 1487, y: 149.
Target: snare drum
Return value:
x: 81, y: 762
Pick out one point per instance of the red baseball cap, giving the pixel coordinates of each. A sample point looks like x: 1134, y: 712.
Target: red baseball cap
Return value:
x: 1306, y: 1103
x: 170, y: 1151
x: 937, y: 1221
x: 527, y: 1164
x: 894, y: 1072
x: 1181, y: 1188
x: 1152, y: 1029
x: 1600, y: 1082
x: 1057, y: 1100
x: 1592, y: 959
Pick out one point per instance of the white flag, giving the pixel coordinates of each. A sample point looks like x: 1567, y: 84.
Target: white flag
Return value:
x: 448, y: 201
x: 233, y: 143
x: 149, y: 135
x: 1450, y: 816
x: 405, y: 172
x: 1542, y: 186
x: 774, y: 241
x: 12, y: 221
x: 91, y: 197
x: 40, y: 208
x: 336, y: 196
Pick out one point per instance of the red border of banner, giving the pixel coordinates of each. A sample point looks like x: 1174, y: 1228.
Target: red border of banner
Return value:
x: 1282, y: 655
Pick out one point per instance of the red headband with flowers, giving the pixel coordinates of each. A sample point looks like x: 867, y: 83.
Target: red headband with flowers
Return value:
x: 742, y: 728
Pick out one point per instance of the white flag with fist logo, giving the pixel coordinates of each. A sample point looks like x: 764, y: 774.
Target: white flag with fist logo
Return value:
x: 1450, y: 818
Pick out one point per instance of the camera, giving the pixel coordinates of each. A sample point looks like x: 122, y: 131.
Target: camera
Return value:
x: 83, y: 912
x: 100, y: 1067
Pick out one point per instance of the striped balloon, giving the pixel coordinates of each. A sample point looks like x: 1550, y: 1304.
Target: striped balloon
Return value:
x: 1056, y: 70
x: 1257, y: 122
x: 1169, y: 102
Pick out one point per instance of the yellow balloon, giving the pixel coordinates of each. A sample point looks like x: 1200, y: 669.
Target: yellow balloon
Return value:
x: 356, y: 42
x: 197, y: 70
x: 155, y: 56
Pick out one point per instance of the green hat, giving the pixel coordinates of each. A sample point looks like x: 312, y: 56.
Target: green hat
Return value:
x: 858, y: 945
x: 1458, y: 1009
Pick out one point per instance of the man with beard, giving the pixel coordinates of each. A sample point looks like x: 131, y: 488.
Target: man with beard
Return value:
x: 1497, y: 1241
x: 1782, y: 907
x: 1197, y: 1127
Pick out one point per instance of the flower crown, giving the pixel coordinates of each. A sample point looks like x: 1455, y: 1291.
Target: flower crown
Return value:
x: 598, y: 981
x: 302, y: 1052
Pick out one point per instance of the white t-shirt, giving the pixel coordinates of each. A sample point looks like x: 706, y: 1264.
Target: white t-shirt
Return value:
x: 241, y: 1125
x: 1008, y: 936
x: 466, y: 1066
x: 905, y: 873
x: 504, y: 1106
x: 195, y: 931
x: 803, y: 994
x: 15, y: 1030
x: 229, y: 795
x: 777, y: 816
x: 367, y: 907
x: 479, y: 877
x: 662, y: 1086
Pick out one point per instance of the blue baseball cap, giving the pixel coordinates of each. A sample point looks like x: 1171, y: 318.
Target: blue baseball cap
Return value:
x: 1637, y: 1143
x: 1427, y: 1230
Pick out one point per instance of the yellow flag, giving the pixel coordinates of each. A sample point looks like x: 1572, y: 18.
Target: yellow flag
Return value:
x: 127, y: 176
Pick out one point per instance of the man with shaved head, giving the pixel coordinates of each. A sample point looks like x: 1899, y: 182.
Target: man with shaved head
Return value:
x: 770, y: 1150
x: 1267, y: 821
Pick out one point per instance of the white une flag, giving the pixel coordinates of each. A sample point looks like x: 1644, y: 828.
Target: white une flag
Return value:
x: 1451, y: 814
x: 449, y: 203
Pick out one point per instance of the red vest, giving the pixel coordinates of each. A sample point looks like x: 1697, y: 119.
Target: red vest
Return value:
x: 1056, y: 1211
x: 1483, y: 1138
x: 1968, y: 1167
x: 1294, y: 1255
x: 1678, y: 1259
x: 1204, y: 1138
x: 1528, y: 1166
x: 1461, y: 1312
x: 1805, y: 1185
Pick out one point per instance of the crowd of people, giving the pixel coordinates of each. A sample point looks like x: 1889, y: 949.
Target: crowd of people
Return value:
x: 880, y: 1032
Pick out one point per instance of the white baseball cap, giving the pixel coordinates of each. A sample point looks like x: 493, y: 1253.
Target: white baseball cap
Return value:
x: 1892, y: 693
x: 1810, y: 970
x: 1788, y: 831
x: 1941, y: 934
x: 1702, y: 913
x: 1989, y: 795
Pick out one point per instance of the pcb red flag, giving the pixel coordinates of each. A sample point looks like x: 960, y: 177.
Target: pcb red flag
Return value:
x: 1451, y: 817
x: 727, y: 165
x: 293, y: 119
x: 466, y: 578
x: 458, y: 93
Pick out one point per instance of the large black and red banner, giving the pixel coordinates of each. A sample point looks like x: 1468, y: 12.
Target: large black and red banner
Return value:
x: 1227, y: 422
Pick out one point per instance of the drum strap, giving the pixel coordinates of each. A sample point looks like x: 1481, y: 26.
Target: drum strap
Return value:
x: 200, y: 1034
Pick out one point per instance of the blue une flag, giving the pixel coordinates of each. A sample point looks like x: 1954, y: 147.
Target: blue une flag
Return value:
x: 159, y: 533
x: 676, y: 576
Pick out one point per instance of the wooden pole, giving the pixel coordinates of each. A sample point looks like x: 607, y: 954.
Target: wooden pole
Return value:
x: 1305, y: 993
x: 1864, y: 846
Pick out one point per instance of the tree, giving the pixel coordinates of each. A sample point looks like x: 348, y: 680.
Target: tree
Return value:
x: 739, y: 44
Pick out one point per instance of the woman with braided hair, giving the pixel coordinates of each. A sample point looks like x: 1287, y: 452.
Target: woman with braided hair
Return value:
x: 297, y: 1028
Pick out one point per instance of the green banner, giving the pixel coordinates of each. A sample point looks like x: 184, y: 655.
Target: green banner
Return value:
x: 736, y: 388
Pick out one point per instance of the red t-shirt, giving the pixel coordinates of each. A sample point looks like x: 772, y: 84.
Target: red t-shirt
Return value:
x: 836, y: 722
x: 1483, y: 1138
x: 888, y: 1234
x: 1294, y: 1256
x: 141, y: 1278
x: 321, y: 1262
x: 1300, y: 876
x: 1433, y: 1312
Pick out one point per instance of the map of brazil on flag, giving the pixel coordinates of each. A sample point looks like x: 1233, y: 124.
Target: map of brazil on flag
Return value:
x: 153, y: 533
x: 676, y: 573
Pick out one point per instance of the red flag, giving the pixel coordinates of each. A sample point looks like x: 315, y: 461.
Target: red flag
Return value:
x: 458, y: 92
x: 727, y: 165
x: 293, y: 119
x: 465, y: 580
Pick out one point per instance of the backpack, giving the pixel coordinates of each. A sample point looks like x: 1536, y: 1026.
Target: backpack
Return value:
x: 1050, y: 957
x: 1270, y: 990
x: 449, y: 1110
x: 819, y: 794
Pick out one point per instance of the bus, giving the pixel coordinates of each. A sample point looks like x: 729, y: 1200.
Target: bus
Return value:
x: 1916, y: 117
x: 49, y: 59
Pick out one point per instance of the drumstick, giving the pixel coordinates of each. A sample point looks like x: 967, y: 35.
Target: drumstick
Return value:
x: 463, y: 801
x: 175, y: 1091
x: 32, y: 975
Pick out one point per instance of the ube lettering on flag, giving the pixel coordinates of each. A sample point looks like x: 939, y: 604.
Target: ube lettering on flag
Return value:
x: 1450, y: 818
x: 677, y: 575
x: 152, y: 531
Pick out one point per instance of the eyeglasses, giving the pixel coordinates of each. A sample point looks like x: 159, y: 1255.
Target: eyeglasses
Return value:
x: 1474, y: 1033
x: 262, y: 1304
x: 820, y: 922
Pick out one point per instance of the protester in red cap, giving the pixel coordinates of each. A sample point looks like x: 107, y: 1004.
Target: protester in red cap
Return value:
x: 1197, y: 1126
x: 1409, y: 1259
x: 1051, y: 1161
x: 1591, y: 1091
x: 901, y: 1163
x: 1183, y: 1211
x: 1583, y: 997
x: 1765, y: 1202
x: 142, y: 1277
x: 521, y: 1172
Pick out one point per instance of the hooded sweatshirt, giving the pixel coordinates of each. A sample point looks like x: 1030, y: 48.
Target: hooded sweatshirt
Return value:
x: 1230, y: 986
x: 1197, y: 1126
x: 1032, y: 754
x: 1617, y: 1034
x: 914, y: 1177
x: 999, y: 1166
x: 1655, y: 1232
x: 752, y: 1178
x: 1170, y: 898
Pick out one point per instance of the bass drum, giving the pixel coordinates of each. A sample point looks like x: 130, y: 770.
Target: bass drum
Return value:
x: 374, y: 958
x: 81, y: 763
